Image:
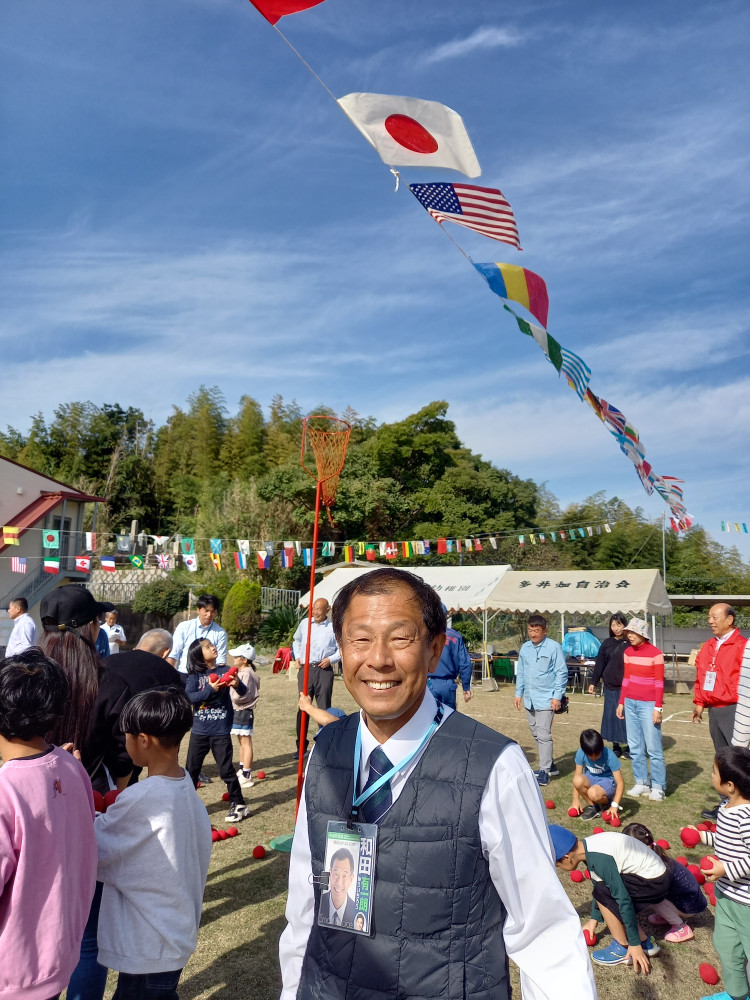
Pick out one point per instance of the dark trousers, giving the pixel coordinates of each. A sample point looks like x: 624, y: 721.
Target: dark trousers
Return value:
x: 319, y: 686
x: 721, y: 725
x: 643, y: 892
x: 149, y: 986
x: 220, y: 745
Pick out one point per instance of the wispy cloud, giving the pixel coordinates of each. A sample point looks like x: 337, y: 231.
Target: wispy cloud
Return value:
x: 482, y: 40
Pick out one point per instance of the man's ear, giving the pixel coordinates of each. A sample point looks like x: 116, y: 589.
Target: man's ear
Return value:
x: 436, y: 650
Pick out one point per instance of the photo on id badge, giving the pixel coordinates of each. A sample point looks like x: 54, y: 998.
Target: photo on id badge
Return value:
x: 350, y: 863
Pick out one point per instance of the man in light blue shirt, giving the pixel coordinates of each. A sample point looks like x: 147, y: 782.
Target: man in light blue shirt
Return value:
x: 202, y: 627
x: 324, y: 653
x: 541, y: 679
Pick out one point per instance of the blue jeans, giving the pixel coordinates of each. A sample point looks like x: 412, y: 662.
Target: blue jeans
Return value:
x: 645, y: 738
x: 149, y: 986
x: 89, y: 978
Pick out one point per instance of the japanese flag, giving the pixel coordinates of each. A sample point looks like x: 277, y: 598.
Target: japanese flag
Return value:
x: 410, y: 132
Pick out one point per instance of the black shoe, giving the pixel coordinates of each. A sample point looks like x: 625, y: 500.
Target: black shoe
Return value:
x: 711, y: 814
x: 617, y: 750
x: 591, y: 812
x: 626, y: 754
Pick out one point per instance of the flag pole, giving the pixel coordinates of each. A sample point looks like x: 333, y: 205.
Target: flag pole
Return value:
x: 306, y: 668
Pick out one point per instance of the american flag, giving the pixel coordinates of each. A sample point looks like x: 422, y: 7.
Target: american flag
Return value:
x: 18, y: 564
x: 483, y: 209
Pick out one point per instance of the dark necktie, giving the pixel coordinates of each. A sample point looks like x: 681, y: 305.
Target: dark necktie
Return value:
x: 336, y: 920
x: 381, y: 801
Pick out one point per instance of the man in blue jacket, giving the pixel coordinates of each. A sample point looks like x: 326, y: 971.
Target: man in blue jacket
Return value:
x: 541, y: 679
x: 454, y: 660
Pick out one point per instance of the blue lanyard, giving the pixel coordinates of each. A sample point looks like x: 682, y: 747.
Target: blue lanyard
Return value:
x: 357, y: 800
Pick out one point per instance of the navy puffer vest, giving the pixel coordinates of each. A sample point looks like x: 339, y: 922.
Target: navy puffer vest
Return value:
x: 437, y: 917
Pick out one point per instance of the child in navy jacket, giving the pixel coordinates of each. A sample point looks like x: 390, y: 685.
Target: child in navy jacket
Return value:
x: 207, y: 687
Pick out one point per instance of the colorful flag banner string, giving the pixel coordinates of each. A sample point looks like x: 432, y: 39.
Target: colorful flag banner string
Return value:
x: 349, y: 551
x: 738, y: 526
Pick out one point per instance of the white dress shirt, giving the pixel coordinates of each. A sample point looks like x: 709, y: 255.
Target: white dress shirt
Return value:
x: 23, y: 635
x: 323, y: 643
x: 112, y: 633
x: 187, y: 632
x: 542, y: 932
x: 723, y: 638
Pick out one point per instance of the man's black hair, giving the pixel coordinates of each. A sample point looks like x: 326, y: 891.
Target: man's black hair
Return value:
x: 538, y: 620
x: 342, y: 854
x: 733, y: 764
x: 591, y: 742
x: 164, y: 712
x: 22, y: 603
x: 385, y: 581
x: 33, y: 694
x: 208, y: 599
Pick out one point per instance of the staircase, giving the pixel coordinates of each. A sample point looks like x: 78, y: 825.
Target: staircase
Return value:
x: 39, y: 584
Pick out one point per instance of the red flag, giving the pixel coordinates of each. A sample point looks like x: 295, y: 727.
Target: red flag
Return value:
x: 477, y: 545
x: 274, y: 10
x: 442, y: 546
x: 391, y: 550
x: 370, y: 553
x: 83, y: 563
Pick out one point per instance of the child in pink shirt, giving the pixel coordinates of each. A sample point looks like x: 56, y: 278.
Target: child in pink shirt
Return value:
x: 47, y: 843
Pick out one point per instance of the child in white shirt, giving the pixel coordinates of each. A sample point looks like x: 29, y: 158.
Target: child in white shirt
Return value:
x: 154, y: 848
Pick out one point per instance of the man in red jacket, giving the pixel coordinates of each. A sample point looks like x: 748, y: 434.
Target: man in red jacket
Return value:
x: 717, y: 675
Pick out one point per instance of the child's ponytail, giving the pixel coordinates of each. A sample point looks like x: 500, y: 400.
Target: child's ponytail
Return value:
x: 196, y: 663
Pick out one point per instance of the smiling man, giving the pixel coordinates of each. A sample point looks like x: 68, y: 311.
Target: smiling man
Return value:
x: 717, y: 680
x: 337, y: 906
x: 457, y: 860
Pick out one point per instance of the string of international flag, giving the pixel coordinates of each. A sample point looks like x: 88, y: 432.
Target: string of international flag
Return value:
x: 412, y: 132
x: 184, y: 548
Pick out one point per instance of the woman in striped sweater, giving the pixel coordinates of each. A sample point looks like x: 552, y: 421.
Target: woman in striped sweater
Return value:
x: 640, y: 704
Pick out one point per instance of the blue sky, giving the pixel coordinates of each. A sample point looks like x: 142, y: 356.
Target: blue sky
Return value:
x: 184, y: 204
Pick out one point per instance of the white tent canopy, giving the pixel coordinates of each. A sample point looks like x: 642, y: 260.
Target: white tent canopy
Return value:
x: 632, y: 591
x: 461, y: 588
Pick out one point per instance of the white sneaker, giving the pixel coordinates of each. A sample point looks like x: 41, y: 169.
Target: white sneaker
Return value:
x: 238, y: 813
x: 244, y: 782
x: 657, y: 795
x: 637, y: 790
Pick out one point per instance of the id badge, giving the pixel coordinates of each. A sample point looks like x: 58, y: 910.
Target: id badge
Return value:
x: 350, y: 867
x: 710, y: 680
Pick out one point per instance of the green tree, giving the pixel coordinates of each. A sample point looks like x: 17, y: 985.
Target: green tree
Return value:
x: 164, y: 597
x: 241, y: 613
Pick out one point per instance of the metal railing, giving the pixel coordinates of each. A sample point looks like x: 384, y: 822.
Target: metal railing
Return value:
x: 276, y: 597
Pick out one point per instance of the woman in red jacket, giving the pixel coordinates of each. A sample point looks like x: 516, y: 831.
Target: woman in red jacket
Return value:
x: 641, y: 699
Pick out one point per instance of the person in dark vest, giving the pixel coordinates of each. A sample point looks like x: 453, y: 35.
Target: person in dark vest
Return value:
x: 336, y: 905
x: 464, y: 872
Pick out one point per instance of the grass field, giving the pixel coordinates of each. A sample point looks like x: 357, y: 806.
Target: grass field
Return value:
x: 243, y: 914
